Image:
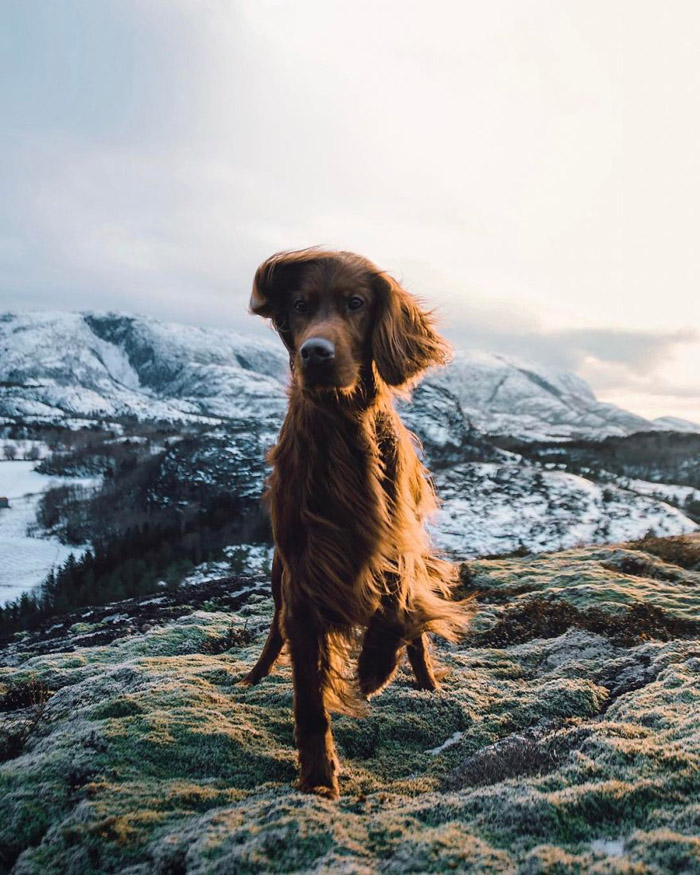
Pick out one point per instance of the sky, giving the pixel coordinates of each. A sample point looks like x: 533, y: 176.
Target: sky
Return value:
x: 528, y: 167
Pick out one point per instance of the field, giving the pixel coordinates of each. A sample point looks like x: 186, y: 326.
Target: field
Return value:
x: 26, y: 560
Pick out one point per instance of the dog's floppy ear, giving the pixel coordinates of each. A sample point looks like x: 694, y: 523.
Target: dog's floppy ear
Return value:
x: 260, y: 300
x: 404, y: 341
x: 274, y: 279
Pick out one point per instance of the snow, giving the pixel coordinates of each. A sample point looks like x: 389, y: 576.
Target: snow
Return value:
x: 19, y: 478
x: 667, y: 491
x: 611, y: 847
x: 491, y: 508
x: 450, y: 742
x: 26, y: 559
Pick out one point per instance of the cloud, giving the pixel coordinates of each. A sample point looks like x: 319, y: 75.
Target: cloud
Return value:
x: 511, y: 158
x: 509, y: 329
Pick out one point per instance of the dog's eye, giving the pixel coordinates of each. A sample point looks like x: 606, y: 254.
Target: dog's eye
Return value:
x: 355, y: 303
x: 300, y: 306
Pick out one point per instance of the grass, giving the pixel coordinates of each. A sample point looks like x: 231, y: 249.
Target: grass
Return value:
x: 574, y: 724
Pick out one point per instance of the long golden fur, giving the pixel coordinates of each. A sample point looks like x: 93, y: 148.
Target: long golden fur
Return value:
x: 348, y: 495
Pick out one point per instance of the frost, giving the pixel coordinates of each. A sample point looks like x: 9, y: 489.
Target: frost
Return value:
x: 569, y: 753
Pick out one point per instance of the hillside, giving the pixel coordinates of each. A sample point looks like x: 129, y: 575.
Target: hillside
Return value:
x: 565, y: 738
x: 96, y: 365
x: 168, y: 421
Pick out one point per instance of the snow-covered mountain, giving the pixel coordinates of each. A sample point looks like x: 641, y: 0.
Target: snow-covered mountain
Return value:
x: 55, y: 365
x: 72, y: 368
x: 507, y: 396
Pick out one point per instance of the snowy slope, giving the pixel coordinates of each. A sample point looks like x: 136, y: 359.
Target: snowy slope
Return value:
x: 508, y: 396
x: 54, y: 365
x: 494, y: 508
x: 26, y: 558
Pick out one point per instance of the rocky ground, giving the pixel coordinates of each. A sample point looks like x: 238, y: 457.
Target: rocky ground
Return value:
x: 566, y: 737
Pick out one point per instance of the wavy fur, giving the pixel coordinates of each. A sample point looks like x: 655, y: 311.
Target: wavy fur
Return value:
x: 348, y: 497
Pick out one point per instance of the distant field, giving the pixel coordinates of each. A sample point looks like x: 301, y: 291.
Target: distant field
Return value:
x: 26, y: 560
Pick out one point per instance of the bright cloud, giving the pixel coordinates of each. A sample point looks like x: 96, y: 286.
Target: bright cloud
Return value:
x: 531, y: 169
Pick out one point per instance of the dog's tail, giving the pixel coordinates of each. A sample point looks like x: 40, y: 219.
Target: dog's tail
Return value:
x: 341, y: 690
x: 431, y: 605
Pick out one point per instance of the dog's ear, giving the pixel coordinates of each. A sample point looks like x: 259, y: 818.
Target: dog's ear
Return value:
x: 275, y: 277
x: 404, y: 340
x: 260, y: 299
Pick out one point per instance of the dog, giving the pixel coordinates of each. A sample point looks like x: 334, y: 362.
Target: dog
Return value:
x: 348, y: 495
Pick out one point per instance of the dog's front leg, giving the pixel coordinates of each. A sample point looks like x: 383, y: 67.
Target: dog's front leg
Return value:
x: 421, y: 663
x: 318, y: 762
x: 275, y: 641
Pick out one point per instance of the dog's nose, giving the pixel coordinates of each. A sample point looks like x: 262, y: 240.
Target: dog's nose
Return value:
x: 317, y: 351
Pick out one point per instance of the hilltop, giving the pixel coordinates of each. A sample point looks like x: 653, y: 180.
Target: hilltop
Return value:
x: 565, y: 738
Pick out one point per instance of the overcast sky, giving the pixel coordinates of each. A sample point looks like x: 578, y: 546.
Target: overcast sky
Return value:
x: 530, y: 167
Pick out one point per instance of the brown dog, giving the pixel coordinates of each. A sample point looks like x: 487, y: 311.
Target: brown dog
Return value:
x: 348, y: 494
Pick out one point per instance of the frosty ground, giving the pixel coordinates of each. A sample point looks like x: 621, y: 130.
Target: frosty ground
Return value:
x: 565, y: 738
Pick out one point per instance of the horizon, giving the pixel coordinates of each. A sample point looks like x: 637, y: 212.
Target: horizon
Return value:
x: 269, y: 335
x: 529, y: 171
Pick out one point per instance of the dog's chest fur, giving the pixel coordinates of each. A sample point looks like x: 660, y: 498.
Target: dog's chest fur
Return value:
x: 333, y: 502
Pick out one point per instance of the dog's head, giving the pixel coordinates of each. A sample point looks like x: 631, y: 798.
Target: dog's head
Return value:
x: 337, y: 314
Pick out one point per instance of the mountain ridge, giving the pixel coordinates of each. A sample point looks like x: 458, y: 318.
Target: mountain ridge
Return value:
x: 93, y: 364
x: 198, y: 408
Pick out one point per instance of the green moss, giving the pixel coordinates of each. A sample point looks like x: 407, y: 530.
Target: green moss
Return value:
x: 123, y: 706
x: 150, y: 755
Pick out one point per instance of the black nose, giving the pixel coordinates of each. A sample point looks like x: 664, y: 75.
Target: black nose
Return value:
x: 317, y: 350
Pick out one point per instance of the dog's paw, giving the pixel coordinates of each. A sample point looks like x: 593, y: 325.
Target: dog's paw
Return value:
x: 428, y: 684
x: 319, y: 784
x: 321, y: 779
x: 371, y: 685
x: 326, y: 791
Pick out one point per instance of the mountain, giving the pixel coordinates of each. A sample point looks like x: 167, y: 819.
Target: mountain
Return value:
x: 676, y: 424
x: 91, y: 365
x: 175, y: 416
x: 502, y: 395
x: 55, y: 365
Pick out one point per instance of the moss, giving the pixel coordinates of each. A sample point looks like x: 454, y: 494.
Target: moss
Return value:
x: 513, y: 757
x: 123, y: 706
x: 682, y: 552
x: 591, y: 578
x: 669, y: 851
x: 150, y: 757
x: 549, y: 617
